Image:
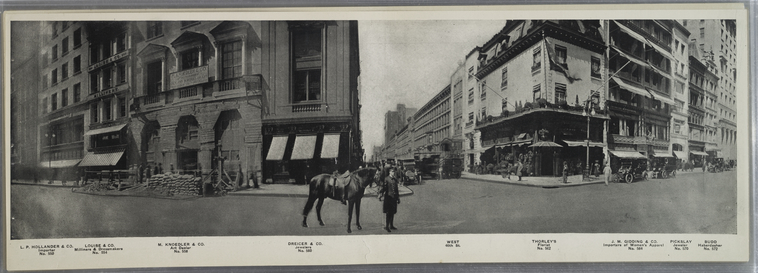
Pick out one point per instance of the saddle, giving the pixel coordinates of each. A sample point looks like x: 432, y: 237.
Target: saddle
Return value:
x: 338, y: 183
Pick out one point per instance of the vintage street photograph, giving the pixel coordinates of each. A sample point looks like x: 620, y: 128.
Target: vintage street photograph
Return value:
x: 307, y: 133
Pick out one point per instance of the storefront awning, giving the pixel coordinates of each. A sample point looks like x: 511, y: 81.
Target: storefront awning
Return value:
x: 631, y: 88
x: 105, y: 130
x: 631, y: 58
x: 304, y: 147
x: 662, y: 98
x: 59, y: 163
x: 627, y: 154
x: 331, y: 146
x: 663, y: 154
x: 583, y: 143
x: 104, y: 159
x: 680, y: 154
x: 276, y: 149
x: 698, y: 153
x: 661, y: 51
x: 630, y: 32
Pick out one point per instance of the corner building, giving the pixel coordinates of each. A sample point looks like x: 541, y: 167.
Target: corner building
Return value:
x: 310, y: 100
x: 197, y: 96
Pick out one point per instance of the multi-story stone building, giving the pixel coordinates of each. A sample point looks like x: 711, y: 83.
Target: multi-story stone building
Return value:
x: 62, y: 99
x: 310, y: 104
x: 395, y: 120
x: 640, y: 93
x: 106, y: 99
x: 432, y: 126
x: 470, y: 107
x: 541, y: 116
x: 197, y: 96
x: 715, y: 47
x: 680, y: 110
x: 701, y: 88
x: 25, y: 84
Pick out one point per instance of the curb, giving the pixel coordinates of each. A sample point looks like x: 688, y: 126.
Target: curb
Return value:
x: 561, y: 185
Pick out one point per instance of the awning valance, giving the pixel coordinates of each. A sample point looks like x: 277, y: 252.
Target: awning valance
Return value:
x: 627, y: 154
x: 662, y: 98
x: 680, y: 154
x: 631, y: 88
x: 105, y: 130
x: 59, y: 163
x: 698, y: 153
x: 304, y: 147
x: 276, y: 149
x: 103, y: 159
x: 583, y: 143
x: 331, y: 146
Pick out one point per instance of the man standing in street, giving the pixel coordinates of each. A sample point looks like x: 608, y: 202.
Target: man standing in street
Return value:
x: 607, y: 171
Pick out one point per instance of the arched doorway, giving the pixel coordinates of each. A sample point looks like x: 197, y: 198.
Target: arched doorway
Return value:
x: 187, y: 144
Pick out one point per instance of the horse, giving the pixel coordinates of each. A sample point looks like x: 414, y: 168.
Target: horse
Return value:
x: 355, y: 187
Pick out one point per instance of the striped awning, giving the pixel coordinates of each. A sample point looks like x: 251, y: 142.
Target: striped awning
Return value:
x: 105, y: 130
x: 698, y: 153
x: 627, y: 154
x: 103, y: 159
x: 59, y: 163
x: 631, y: 88
x: 331, y: 146
x: 276, y: 149
x: 304, y: 147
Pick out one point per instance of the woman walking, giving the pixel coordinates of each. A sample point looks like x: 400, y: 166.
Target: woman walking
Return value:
x: 391, y: 195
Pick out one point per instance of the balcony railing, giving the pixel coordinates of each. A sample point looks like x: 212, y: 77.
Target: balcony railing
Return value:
x: 152, y: 99
x: 230, y: 84
x: 306, y: 108
x: 188, y: 92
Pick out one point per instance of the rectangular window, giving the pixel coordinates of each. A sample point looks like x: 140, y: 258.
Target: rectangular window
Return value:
x: 484, y: 112
x: 560, y: 93
x: 190, y: 59
x: 470, y: 72
x: 471, y: 116
x: 471, y: 96
x: 702, y: 33
x: 64, y: 97
x: 122, y: 107
x: 307, y: 46
x: 107, y: 78
x: 94, y: 83
x: 44, y: 105
x: 536, y: 59
x: 560, y: 54
x: 107, y: 48
x: 55, y: 52
x: 121, y: 72
x: 77, y: 92
x: 64, y: 71
x: 54, y: 76
x: 504, y: 78
x: 536, y: 94
x: 121, y: 42
x: 55, y: 29
x: 483, y: 90
x: 107, y: 110
x: 154, y: 75
x: 77, y: 37
x: 94, y: 54
x: 64, y: 46
x: 231, y: 62
x: 154, y: 29
x: 77, y: 64
x: 595, y: 67
x: 94, y: 117
x: 54, y: 101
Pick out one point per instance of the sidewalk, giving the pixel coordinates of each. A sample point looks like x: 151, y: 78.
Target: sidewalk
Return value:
x: 548, y: 182
x: 290, y: 190
x: 46, y: 183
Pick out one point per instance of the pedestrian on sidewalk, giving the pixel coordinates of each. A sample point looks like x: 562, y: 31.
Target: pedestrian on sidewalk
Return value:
x: 520, y: 167
x: 390, y: 194
x: 596, y: 169
x: 607, y: 171
x: 565, y: 172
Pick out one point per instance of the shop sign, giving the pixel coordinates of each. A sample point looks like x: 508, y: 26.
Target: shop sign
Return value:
x: 108, y: 60
x: 189, y: 77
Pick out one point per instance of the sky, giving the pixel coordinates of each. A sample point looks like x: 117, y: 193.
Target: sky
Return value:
x: 409, y: 62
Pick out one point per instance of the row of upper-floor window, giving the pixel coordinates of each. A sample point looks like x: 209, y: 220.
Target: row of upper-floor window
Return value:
x: 108, y: 77
x: 641, y: 75
x: 108, y: 109
x: 629, y: 127
x: 441, y: 107
x: 64, y: 72
x: 728, y: 136
x: 65, y: 46
x: 66, y: 98
x: 63, y: 133
x: 702, y: 82
x: 106, y: 48
x: 440, y: 121
x: 625, y: 97
x: 634, y: 47
x: 654, y: 30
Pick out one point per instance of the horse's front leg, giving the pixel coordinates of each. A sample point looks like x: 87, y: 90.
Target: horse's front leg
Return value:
x: 350, y: 205
x: 318, y: 210
x: 358, y: 214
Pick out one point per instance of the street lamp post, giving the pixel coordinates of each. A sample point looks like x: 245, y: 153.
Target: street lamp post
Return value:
x: 588, y: 114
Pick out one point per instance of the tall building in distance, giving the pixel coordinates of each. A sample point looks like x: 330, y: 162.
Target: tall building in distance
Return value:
x: 395, y: 120
x: 715, y: 46
x: 25, y: 84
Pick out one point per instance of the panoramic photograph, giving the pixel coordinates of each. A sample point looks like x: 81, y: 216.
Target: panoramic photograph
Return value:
x: 369, y: 127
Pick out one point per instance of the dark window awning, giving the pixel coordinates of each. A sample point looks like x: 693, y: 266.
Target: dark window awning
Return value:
x: 105, y: 130
x: 331, y: 146
x: 304, y: 147
x: 59, y: 163
x: 276, y: 149
x: 627, y: 154
x: 101, y: 159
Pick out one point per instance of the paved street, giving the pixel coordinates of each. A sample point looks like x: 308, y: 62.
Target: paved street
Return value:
x: 689, y: 203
